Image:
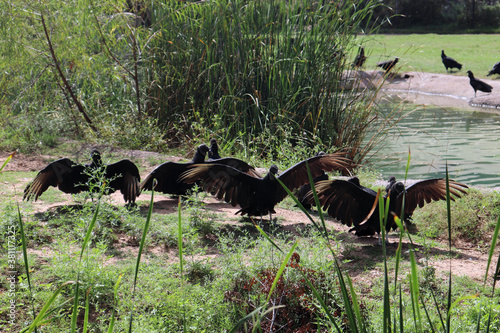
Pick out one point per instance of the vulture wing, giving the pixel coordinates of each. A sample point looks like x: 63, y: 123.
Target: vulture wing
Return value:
x: 167, y: 175
x: 67, y: 175
x: 124, y: 176
x: 237, y: 164
x: 425, y: 191
x: 296, y: 176
x: 225, y: 182
x: 344, y: 200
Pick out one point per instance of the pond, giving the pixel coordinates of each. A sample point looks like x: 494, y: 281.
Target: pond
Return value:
x: 469, y: 141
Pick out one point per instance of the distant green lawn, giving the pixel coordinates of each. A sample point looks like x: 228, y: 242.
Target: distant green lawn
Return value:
x: 422, y: 52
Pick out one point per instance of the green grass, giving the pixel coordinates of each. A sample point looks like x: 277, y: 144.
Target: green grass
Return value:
x: 219, y: 259
x: 422, y: 52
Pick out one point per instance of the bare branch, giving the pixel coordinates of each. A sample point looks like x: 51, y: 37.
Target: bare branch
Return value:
x: 63, y: 78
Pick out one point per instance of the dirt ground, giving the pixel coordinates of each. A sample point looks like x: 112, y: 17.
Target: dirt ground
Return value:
x: 421, y: 88
x: 443, y: 90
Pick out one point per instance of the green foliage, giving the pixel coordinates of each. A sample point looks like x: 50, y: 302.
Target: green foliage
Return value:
x: 473, y: 218
x: 245, y: 265
x: 244, y: 71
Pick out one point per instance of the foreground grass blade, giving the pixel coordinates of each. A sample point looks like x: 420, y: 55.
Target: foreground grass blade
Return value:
x: 297, y: 202
x: 245, y: 319
x: 316, y: 201
x: 87, y: 310
x: 77, y: 286
x: 321, y: 302
x: 345, y: 298
x: 43, y: 311
x: 355, y: 305
x: 255, y: 313
x: 179, y: 238
x: 448, y: 216
x: 414, y: 292
x: 399, y: 222
x: 497, y: 275
x: 281, y: 270
x: 429, y: 320
x: 84, y: 246
x: 181, y: 256
x: 437, y: 308
x: 139, y: 254
x: 25, y: 256
x: 262, y: 232
x: 115, y: 297
x: 7, y: 160
x: 490, y: 253
x: 383, y: 218
x: 401, y: 317
x: 454, y: 304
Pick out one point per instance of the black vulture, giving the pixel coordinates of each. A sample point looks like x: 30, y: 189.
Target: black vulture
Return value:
x: 360, y: 59
x: 392, y: 181
x: 304, y: 189
x: 71, y: 177
x: 495, y: 69
x: 388, y: 65
x: 351, y: 203
x: 213, y: 153
x: 167, y: 174
x: 449, y: 62
x: 214, y: 157
x: 478, y: 84
x: 258, y: 196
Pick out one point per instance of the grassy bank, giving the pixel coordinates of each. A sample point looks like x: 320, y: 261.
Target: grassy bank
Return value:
x: 202, y: 269
x: 422, y: 52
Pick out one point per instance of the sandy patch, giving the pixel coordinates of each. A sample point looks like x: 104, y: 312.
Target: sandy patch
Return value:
x: 443, y: 90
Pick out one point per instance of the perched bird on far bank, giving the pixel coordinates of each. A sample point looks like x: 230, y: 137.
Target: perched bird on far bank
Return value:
x: 450, y: 62
x: 71, y: 177
x: 478, y: 84
x: 360, y: 59
x: 495, y: 69
x: 388, y: 65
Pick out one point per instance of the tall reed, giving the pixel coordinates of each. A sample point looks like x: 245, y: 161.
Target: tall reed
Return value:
x: 260, y: 69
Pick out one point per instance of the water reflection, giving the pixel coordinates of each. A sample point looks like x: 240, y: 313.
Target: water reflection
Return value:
x: 468, y: 140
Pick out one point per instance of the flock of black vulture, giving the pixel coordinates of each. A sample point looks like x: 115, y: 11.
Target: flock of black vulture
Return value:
x: 448, y: 62
x: 239, y: 184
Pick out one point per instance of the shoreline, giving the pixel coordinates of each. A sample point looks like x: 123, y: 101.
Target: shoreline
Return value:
x: 441, y: 90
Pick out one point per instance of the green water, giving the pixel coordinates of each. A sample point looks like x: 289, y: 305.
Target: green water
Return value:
x: 469, y: 141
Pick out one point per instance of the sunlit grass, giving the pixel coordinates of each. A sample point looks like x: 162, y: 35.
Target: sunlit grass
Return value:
x: 422, y: 52
x: 240, y: 254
